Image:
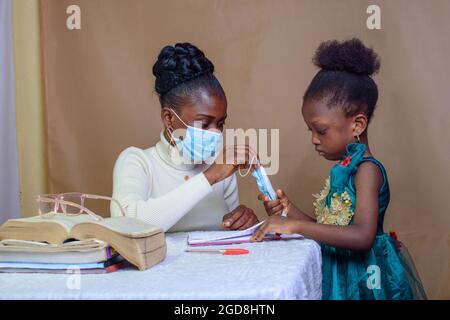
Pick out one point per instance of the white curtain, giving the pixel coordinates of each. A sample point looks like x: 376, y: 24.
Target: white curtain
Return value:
x: 9, y: 173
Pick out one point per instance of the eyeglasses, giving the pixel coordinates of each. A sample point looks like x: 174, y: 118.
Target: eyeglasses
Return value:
x: 71, y: 204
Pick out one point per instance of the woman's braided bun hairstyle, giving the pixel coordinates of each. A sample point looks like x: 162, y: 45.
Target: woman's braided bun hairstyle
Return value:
x: 180, y: 71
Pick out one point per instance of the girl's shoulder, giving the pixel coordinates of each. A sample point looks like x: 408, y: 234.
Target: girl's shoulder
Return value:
x: 360, y: 168
x: 355, y: 159
x: 370, y: 170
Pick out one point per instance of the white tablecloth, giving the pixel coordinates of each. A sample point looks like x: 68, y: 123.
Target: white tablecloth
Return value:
x: 272, y: 270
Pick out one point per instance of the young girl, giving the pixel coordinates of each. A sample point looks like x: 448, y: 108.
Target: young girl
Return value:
x: 359, y: 260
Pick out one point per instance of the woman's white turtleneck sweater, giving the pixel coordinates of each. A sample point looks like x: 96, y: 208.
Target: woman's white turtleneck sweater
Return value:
x: 153, y: 186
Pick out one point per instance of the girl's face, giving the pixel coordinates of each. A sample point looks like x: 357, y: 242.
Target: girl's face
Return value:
x: 331, y: 130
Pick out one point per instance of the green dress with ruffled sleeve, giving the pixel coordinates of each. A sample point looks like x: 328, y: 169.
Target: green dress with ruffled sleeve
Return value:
x: 381, y: 273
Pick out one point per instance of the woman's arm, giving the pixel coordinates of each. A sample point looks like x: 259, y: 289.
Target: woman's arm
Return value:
x: 231, y: 193
x: 132, y: 181
x: 239, y: 217
x: 358, y: 236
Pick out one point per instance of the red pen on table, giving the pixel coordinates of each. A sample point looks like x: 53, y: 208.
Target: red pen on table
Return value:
x: 228, y: 252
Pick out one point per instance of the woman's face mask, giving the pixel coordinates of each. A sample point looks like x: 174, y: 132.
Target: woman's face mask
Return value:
x: 198, y: 145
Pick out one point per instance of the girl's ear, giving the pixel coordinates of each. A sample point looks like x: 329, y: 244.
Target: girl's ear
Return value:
x: 360, y: 122
x: 167, y: 117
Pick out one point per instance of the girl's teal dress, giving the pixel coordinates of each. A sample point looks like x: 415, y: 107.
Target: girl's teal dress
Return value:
x: 386, y: 270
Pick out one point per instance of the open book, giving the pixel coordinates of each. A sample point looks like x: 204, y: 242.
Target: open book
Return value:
x: 208, y: 238
x: 140, y: 243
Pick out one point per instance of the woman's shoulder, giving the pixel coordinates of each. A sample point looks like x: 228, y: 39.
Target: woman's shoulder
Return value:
x: 135, y: 151
x: 132, y: 156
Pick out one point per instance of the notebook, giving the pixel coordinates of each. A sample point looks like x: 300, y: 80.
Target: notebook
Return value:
x: 207, y: 238
x: 77, y: 251
x: 109, y: 269
x: 112, y: 264
x: 140, y: 243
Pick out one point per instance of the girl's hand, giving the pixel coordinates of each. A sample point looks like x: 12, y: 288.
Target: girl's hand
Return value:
x: 275, y: 224
x: 240, y: 218
x: 276, y: 206
x: 229, y: 160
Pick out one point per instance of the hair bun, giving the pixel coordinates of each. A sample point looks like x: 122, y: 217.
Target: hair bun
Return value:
x: 178, y: 64
x: 351, y: 55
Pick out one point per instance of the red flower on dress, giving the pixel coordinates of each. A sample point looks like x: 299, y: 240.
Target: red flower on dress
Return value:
x: 394, y: 236
x: 346, y: 161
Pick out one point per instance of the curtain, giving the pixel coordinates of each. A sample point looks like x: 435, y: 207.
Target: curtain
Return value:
x: 9, y: 172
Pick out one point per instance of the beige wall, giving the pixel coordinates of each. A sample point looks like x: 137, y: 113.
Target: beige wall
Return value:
x: 29, y: 104
x: 99, y: 96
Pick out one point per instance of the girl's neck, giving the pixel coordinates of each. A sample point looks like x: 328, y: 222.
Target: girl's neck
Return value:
x: 365, y: 140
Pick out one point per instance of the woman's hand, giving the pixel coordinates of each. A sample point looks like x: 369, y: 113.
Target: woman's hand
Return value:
x: 274, y: 224
x: 229, y: 160
x: 240, y: 218
x: 276, y: 206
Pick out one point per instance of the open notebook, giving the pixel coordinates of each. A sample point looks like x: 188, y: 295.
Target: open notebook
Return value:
x: 208, y: 238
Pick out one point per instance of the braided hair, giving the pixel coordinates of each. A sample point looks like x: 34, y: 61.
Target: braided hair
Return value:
x: 182, y: 72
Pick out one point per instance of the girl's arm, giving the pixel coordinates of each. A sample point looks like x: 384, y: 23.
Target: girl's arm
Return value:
x: 298, y: 214
x: 276, y: 207
x: 358, y: 236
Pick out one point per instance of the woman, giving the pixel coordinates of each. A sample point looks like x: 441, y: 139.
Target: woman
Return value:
x: 171, y: 184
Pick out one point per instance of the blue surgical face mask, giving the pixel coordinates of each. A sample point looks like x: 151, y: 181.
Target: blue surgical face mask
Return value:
x: 198, y: 145
x: 263, y: 182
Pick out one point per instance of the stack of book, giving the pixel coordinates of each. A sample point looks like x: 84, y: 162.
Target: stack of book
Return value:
x: 55, y: 243
x: 85, y: 256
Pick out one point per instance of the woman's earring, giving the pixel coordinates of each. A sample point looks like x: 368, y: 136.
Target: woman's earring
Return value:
x: 357, y: 137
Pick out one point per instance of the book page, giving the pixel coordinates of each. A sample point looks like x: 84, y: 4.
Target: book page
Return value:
x: 64, y: 220
x: 130, y: 227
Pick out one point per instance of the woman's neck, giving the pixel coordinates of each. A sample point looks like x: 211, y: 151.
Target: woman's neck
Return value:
x: 168, y: 137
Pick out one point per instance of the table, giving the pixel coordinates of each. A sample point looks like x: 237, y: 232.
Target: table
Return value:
x: 272, y: 270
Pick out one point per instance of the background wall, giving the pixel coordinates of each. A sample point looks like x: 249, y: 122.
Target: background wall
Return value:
x: 99, y: 95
